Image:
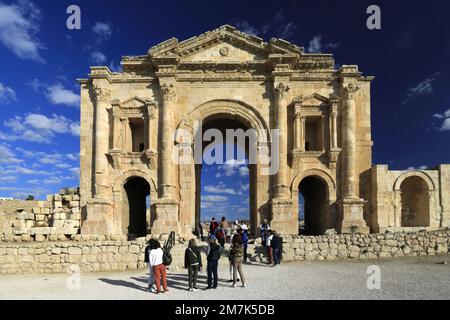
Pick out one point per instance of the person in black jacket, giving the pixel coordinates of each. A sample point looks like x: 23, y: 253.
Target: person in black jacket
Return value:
x: 213, y: 256
x: 276, y: 248
x: 192, y: 262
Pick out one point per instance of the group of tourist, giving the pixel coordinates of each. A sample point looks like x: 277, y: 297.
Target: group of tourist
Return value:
x: 218, y: 236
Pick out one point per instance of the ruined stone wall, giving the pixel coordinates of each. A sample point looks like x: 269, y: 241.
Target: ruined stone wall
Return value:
x: 111, y: 253
x: 57, y: 218
x: 371, y: 246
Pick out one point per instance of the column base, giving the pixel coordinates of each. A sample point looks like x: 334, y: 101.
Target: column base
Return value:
x: 99, y: 218
x: 352, y: 213
x: 284, y: 221
x: 166, y: 217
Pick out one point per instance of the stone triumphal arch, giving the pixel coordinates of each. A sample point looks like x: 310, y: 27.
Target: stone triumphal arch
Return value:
x: 134, y: 124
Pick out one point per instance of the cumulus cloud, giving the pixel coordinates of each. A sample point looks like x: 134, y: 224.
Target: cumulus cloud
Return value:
x: 245, y: 27
x: 102, y: 29
x: 446, y: 120
x: 98, y: 58
x: 221, y: 189
x: 19, y: 29
x: 280, y: 26
x: 57, y: 94
x: 423, y: 88
x: 39, y: 128
x: 7, y: 94
x: 7, y: 156
x: 316, y: 45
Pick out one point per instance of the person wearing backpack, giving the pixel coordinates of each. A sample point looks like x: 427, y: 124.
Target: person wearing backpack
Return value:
x: 159, y: 268
x: 213, y: 256
x: 219, y: 233
x: 212, y: 226
x: 237, y: 254
x: 192, y: 262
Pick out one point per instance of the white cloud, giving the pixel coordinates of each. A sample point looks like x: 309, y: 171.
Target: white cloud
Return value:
x: 75, y: 129
x: 446, y: 117
x: 7, y: 94
x: 245, y: 27
x: 446, y: 125
x: 102, y: 29
x: 219, y: 189
x: 423, y: 88
x: 8, y: 179
x: 39, y: 128
x: 57, y: 94
x: 98, y: 58
x: 214, y: 198
x: 316, y: 45
x: 23, y: 170
x: 8, y: 156
x: 19, y: 27
x: 243, y: 171
x: 73, y: 156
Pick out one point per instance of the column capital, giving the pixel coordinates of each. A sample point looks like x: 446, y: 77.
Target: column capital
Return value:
x: 281, y: 90
x: 298, y: 111
x: 167, y: 91
x: 350, y: 90
x: 101, y: 93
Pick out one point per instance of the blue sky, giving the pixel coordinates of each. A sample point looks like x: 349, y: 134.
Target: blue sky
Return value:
x: 40, y: 60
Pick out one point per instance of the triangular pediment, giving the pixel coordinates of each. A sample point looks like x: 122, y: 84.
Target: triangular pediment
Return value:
x: 223, y: 44
x: 313, y: 99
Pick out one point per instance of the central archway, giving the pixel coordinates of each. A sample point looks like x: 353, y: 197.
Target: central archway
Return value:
x: 224, y: 114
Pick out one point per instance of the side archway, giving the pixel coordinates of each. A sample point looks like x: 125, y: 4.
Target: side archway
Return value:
x: 415, y: 190
x: 314, y: 197
x: 133, y: 192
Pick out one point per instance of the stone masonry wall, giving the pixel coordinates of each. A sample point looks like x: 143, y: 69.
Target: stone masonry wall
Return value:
x: 99, y: 253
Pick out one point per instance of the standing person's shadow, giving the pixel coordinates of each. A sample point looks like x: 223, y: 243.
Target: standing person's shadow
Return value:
x: 123, y: 283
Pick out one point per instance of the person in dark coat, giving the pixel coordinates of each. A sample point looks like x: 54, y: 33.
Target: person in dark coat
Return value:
x: 213, y: 256
x: 276, y: 248
x: 193, y: 262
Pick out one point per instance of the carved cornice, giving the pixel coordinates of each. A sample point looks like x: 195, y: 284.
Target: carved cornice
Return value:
x: 281, y: 90
x: 350, y: 91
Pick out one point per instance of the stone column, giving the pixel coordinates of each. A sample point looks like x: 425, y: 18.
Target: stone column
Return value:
x: 167, y: 208
x: 349, y: 142
x: 298, y: 130
x: 123, y: 140
x: 284, y: 220
x: 102, y: 96
x: 116, y: 126
x: 99, y: 209
x: 333, y: 127
x: 281, y: 186
x: 166, y: 186
x: 148, y: 141
x: 352, y: 207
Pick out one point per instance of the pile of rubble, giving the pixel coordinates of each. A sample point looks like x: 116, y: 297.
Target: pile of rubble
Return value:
x: 56, y: 219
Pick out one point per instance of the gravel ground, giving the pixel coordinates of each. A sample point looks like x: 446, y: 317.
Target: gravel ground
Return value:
x: 405, y: 278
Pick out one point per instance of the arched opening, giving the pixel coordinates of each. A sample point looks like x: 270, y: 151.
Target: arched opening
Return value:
x: 415, y: 202
x: 313, y: 206
x: 225, y: 179
x: 137, y: 200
